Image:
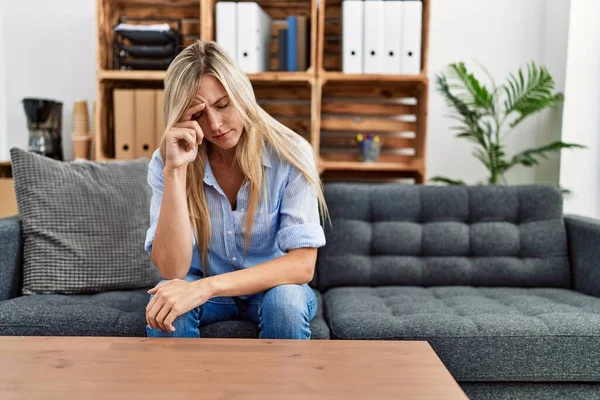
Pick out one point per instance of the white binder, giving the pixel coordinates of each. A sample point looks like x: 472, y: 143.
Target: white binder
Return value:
x: 352, y: 36
x: 392, y: 37
x: 226, y: 27
x: 374, y: 34
x: 253, y: 38
x: 411, y: 43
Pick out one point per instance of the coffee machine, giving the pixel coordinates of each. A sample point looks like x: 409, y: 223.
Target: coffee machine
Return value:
x: 44, y: 121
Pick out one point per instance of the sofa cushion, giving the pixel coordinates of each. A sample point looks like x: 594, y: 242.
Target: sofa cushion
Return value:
x: 83, y: 224
x: 118, y: 313
x: 481, y: 334
x: 432, y: 236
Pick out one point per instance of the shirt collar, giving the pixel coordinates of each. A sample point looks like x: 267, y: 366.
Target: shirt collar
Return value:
x: 209, y: 176
x: 266, y: 156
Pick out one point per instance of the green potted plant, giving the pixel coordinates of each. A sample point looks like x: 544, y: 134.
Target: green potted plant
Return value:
x: 485, y: 116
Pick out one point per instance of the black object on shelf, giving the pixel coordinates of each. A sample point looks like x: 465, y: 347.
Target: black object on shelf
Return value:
x: 155, y: 38
x: 148, y: 48
x: 152, y: 64
x: 147, y: 51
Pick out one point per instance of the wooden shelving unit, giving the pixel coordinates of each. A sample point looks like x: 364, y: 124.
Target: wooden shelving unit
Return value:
x: 391, y: 106
x: 322, y: 104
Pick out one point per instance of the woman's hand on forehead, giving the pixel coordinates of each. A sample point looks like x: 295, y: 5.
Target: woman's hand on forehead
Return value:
x: 193, y: 110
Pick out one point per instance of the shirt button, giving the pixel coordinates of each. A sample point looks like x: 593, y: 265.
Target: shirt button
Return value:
x: 241, y: 209
x: 229, y: 233
x: 234, y: 259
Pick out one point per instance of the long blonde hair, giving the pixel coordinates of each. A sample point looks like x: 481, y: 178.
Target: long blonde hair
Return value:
x: 181, y: 85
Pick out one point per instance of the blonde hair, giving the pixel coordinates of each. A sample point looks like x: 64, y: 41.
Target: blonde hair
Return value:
x: 181, y: 84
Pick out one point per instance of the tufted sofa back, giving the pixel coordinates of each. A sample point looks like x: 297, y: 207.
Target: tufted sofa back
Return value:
x: 432, y: 235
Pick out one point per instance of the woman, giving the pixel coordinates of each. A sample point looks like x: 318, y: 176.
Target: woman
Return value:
x: 235, y: 207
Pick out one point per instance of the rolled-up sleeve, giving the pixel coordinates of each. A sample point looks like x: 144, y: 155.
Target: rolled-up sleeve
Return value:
x: 299, y: 215
x: 155, y: 180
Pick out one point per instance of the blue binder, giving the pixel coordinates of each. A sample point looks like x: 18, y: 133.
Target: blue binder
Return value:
x: 292, y: 38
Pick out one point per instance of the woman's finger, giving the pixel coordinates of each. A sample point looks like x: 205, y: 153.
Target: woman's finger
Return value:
x: 153, y: 312
x: 149, y: 321
x: 159, y: 285
x: 190, y: 138
x: 168, y: 322
x: 189, y: 113
x: 151, y: 303
x: 199, y: 134
x: 160, y: 317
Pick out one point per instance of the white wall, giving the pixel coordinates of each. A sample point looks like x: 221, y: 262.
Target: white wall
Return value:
x: 580, y: 171
x: 49, y: 52
x: 53, y: 55
x: 502, y: 36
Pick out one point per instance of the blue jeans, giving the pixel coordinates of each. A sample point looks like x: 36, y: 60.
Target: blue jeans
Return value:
x: 283, y: 312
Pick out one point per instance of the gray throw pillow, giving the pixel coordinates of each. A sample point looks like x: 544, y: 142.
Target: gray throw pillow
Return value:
x: 84, y: 224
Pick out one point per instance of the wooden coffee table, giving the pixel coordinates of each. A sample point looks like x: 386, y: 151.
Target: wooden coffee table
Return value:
x: 142, y: 368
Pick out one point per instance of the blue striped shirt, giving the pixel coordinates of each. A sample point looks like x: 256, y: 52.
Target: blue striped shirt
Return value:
x: 290, y: 222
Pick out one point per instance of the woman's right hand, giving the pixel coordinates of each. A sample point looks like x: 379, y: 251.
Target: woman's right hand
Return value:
x: 183, y: 139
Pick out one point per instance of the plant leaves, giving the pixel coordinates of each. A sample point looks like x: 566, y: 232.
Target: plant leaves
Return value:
x: 531, y: 157
x: 468, y: 88
x: 528, y: 96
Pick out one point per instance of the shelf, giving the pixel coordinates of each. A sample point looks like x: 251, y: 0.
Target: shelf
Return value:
x: 343, y: 77
x: 129, y: 75
x: 329, y: 165
x: 278, y: 76
x: 322, y: 104
x: 270, y: 76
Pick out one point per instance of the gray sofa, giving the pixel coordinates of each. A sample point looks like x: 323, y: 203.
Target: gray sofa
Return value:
x: 503, y: 286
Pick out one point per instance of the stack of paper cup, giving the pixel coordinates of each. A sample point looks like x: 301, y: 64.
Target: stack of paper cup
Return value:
x: 81, y: 119
x: 81, y: 131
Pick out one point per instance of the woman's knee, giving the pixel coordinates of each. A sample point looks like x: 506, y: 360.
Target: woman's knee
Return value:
x: 286, y: 311
x: 286, y: 298
x: 289, y: 301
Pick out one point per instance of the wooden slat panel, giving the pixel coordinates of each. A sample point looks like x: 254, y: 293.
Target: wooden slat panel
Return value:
x: 366, y: 125
x: 283, y: 13
x: 190, y: 27
x: 282, y: 92
x: 332, y: 62
x: 296, y: 124
x: 273, y: 64
x: 159, y: 12
x: 333, y: 46
x: 356, y: 107
x: 369, y: 176
x: 383, y: 158
x: 333, y: 29
x: 333, y: 11
x: 287, y: 109
x: 189, y: 40
x: 355, y: 89
x: 304, y: 135
x: 337, y: 141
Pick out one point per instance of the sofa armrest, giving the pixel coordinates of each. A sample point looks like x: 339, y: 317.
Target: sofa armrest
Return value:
x: 11, y: 258
x: 583, y: 238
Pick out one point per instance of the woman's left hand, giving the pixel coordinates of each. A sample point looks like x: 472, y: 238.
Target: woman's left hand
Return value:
x: 171, y: 299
